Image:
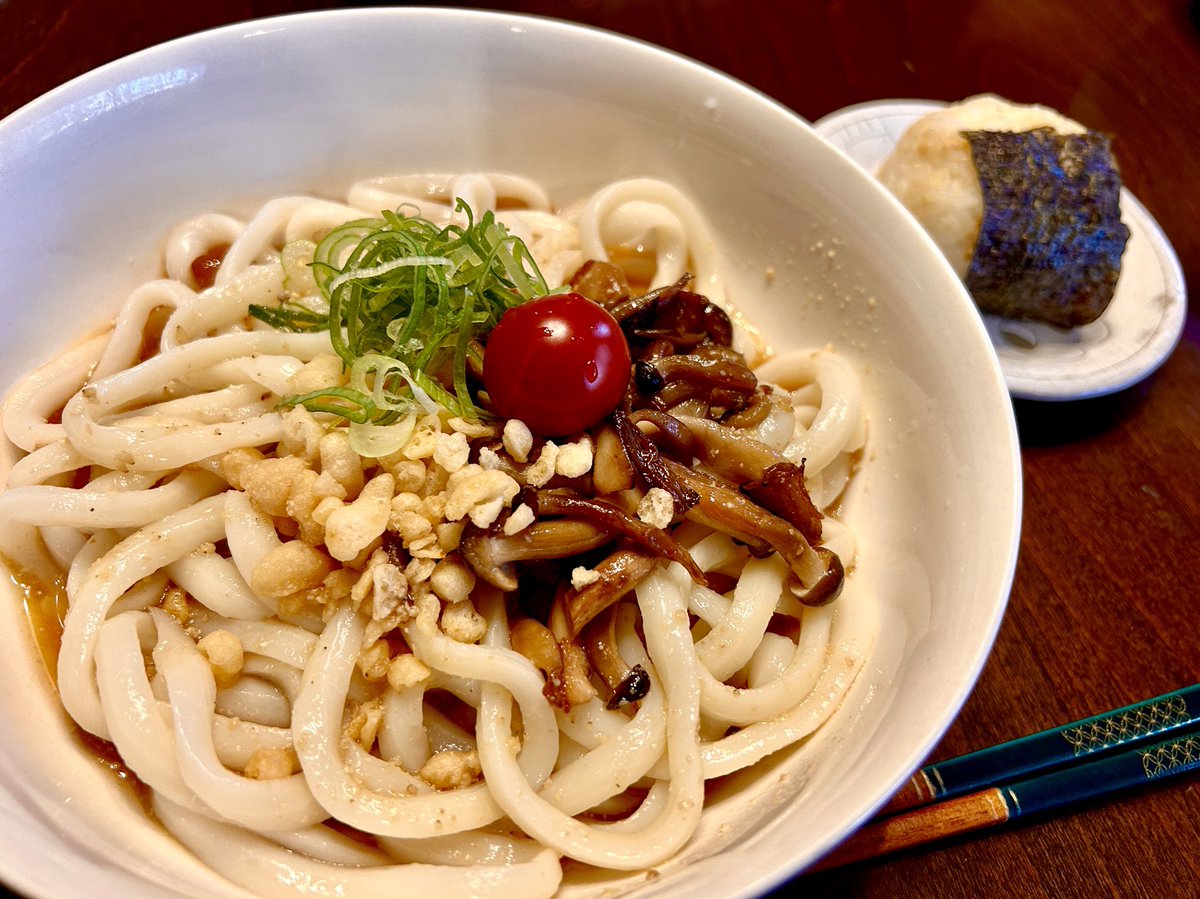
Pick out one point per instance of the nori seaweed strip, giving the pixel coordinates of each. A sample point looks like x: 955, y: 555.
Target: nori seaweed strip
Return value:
x: 1051, y: 239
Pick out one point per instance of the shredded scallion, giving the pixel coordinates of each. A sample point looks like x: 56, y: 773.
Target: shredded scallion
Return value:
x: 405, y: 300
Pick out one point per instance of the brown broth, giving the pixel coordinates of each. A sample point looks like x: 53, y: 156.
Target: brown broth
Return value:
x: 45, y: 610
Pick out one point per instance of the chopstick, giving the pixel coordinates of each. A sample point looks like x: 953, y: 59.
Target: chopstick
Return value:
x: 1032, y: 775
x: 1047, y: 749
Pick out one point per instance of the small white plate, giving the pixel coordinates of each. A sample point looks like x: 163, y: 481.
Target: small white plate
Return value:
x: 1136, y: 333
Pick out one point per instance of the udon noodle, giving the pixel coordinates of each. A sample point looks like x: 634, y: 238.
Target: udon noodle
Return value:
x: 278, y: 633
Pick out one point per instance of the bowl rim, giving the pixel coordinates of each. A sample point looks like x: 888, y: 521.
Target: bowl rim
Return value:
x: 303, y: 18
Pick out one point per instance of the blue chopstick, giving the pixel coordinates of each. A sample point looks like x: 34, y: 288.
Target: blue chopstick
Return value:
x: 1094, y: 776
x: 1050, y: 749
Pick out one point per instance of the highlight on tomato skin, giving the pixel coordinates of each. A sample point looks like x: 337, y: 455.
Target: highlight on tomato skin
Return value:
x: 558, y: 363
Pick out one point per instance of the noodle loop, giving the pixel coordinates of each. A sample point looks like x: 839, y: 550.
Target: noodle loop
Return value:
x: 293, y: 629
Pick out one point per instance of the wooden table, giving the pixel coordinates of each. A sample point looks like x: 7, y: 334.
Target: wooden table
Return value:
x: 1104, y: 608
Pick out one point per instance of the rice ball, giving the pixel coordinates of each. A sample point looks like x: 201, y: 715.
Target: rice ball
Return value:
x: 931, y: 171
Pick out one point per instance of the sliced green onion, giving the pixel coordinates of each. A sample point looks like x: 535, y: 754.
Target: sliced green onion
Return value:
x: 353, y: 405
x: 375, y: 441
x: 377, y: 376
x: 363, y: 274
x: 297, y: 274
x: 405, y: 300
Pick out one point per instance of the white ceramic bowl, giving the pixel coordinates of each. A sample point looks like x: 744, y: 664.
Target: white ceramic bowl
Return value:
x: 94, y: 173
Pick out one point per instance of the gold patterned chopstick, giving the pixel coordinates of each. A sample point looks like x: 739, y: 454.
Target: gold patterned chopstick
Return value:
x: 1090, y: 776
x: 1046, y: 750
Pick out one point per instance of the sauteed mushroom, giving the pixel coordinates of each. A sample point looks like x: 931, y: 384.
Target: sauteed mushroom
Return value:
x: 608, y: 515
x: 730, y: 511
x: 491, y: 555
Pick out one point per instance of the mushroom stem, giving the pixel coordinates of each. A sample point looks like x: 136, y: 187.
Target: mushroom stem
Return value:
x: 619, y: 573
x: 610, y: 516
x: 672, y: 428
x: 828, y: 585
x: 562, y: 662
x: 733, y: 455
x: 626, y: 683
x: 770, y: 479
x: 635, y: 305
x: 731, y: 512
x: 649, y: 464
x: 492, y: 555
x: 685, y: 375
x: 611, y: 471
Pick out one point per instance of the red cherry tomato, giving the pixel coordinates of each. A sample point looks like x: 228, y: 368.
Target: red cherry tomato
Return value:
x: 560, y: 364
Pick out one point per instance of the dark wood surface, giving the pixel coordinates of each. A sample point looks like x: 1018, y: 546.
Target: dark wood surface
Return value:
x: 1104, y: 608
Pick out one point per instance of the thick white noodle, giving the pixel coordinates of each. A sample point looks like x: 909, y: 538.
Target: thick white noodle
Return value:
x: 142, y: 553
x: 495, y: 663
x: 732, y: 639
x: 313, y: 220
x: 150, y: 448
x: 622, y: 757
x: 34, y: 400
x: 272, y: 804
x: 155, y: 520
x: 46, y: 464
x: 327, y: 845
x: 664, y: 834
x: 770, y: 660
x: 214, y: 582
x: 273, y: 639
x: 661, y: 215
x: 838, y: 418
x: 254, y: 697
x: 272, y: 870
x: 136, y: 725
x: 250, y: 533
x: 849, y: 641
x: 215, y: 310
x: 91, y: 508
x: 34, y: 548
x: 125, y: 347
x: 403, y: 738
x: 285, y: 678
x: 317, y: 726
x: 189, y: 240
x: 238, y: 739
x: 480, y: 847
x: 432, y: 196
x: 95, y: 547
x: 260, y: 236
